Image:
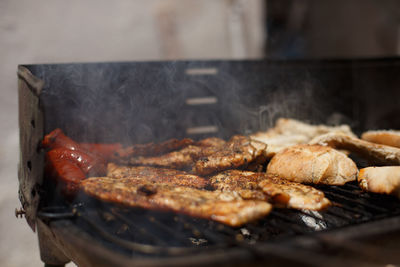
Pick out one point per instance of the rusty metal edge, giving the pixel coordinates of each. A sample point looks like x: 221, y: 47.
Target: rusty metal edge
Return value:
x: 31, y: 130
x: 85, y: 250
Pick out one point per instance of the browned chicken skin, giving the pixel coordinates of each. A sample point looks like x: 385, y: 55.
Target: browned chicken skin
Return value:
x: 224, y: 207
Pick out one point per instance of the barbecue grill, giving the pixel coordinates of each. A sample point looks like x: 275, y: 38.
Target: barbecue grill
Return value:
x: 137, y: 102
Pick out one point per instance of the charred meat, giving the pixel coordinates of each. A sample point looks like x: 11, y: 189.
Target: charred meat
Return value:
x: 238, y: 152
x: 219, y: 206
x: 242, y: 182
x: 181, y: 159
x: 208, y: 156
x: 156, y: 175
x: 152, y: 149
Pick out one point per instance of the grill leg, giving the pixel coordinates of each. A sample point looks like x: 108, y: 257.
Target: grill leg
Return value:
x: 50, y: 254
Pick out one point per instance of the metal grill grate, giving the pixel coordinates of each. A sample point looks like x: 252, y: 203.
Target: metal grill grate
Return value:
x: 152, y: 233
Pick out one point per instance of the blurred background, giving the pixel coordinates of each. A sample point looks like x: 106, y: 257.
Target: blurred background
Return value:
x: 55, y: 31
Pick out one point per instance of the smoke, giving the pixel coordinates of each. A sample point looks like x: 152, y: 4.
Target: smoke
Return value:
x: 141, y: 102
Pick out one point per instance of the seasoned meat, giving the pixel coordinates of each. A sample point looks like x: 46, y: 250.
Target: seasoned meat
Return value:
x: 211, y: 142
x: 313, y: 164
x: 251, y: 185
x: 209, y: 156
x: 375, y: 153
x: 156, y: 175
x: 289, y: 132
x: 180, y: 159
x: 293, y: 195
x: 183, y: 158
x: 383, y: 180
x: 223, y: 207
x: 239, y: 151
x: 244, y: 183
x: 152, y: 149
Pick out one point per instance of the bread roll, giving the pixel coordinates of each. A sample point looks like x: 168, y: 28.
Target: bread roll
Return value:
x: 389, y: 137
x: 313, y: 164
x: 383, y: 180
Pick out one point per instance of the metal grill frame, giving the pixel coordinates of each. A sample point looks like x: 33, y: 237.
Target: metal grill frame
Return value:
x: 45, y: 93
x: 296, y: 242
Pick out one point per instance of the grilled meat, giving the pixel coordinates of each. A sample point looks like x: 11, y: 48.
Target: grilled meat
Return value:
x: 211, y: 142
x: 293, y: 195
x: 375, y: 153
x: 313, y: 164
x: 239, y: 151
x: 181, y: 159
x: 289, y: 132
x: 250, y: 185
x: 223, y: 207
x: 383, y: 180
x: 244, y: 183
x: 211, y: 155
x: 152, y: 149
x: 156, y: 175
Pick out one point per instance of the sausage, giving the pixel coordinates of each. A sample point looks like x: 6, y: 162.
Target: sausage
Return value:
x: 106, y: 151
x: 65, y: 173
x: 57, y: 139
x: 68, y: 162
x: 89, y: 164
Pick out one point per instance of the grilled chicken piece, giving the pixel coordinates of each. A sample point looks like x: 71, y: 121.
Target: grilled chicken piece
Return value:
x: 289, y: 132
x: 211, y: 142
x: 239, y: 151
x: 383, y: 180
x: 375, y: 153
x: 244, y: 183
x: 156, y: 175
x: 250, y: 185
x: 293, y: 195
x: 383, y: 137
x: 313, y: 164
x: 152, y: 149
x: 183, y: 158
x: 223, y: 207
x: 212, y: 156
